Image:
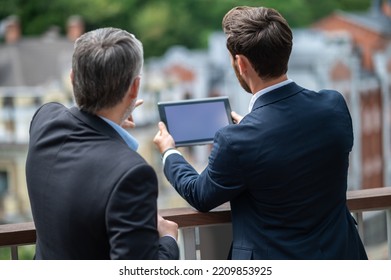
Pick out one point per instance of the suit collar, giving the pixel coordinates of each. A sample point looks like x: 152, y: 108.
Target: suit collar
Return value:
x: 277, y: 95
x: 96, y: 123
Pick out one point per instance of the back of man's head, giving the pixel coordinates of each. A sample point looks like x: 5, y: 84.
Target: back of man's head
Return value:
x: 262, y: 35
x: 105, y: 63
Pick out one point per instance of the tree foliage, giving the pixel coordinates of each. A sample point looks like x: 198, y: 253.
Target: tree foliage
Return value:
x: 160, y: 24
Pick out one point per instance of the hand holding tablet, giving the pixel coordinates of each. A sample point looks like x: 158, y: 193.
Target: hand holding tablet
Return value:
x: 195, y: 121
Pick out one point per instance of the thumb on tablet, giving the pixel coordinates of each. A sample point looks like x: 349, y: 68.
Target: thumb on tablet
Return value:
x: 162, y: 128
x: 163, y: 140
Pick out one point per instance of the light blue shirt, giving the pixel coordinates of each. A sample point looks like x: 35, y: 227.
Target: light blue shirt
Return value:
x: 265, y: 90
x: 128, y: 138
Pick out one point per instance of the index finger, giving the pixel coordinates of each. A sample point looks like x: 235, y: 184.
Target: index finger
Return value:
x: 138, y: 102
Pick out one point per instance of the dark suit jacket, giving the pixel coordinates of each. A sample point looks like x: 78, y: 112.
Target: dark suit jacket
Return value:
x: 92, y: 197
x: 284, y: 171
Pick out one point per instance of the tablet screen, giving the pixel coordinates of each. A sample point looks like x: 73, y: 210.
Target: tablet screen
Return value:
x: 195, y: 121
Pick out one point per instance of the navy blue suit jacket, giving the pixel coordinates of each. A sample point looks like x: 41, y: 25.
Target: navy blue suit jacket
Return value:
x: 284, y: 170
x: 92, y: 197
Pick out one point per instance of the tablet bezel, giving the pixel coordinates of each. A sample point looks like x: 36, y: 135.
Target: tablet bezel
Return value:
x: 162, y: 113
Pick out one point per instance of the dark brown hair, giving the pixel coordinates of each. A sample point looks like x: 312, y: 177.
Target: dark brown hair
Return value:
x: 262, y: 35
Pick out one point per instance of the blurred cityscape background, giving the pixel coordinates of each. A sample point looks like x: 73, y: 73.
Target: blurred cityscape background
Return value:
x: 338, y: 44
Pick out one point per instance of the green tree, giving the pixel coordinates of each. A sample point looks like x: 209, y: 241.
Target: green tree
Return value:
x: 161, y: 24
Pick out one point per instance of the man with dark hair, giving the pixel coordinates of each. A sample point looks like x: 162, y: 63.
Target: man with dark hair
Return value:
x: 284, y: 166
x: 92, y: 195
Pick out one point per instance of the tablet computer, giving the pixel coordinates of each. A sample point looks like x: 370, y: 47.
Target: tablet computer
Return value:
x: 195, y: 121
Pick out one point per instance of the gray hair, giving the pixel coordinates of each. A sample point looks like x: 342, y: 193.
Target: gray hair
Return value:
x: 105, y: 63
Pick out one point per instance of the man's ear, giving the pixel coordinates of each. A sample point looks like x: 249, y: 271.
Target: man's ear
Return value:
x: 242, y: 63
x: 134, y: 88
x: 72, y: 75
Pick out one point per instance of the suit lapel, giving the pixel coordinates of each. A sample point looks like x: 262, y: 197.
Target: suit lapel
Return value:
x: 96, y: 123
x: 277, y: 95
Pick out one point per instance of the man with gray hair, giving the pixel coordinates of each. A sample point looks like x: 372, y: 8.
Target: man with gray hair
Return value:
x: 92, y: 195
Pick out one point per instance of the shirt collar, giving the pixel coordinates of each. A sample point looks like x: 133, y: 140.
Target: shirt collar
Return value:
x: 128, y: 138
x: 265, y: 90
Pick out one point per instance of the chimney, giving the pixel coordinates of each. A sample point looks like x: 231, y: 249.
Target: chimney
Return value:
x: 387, y: 8
x: 12, y: 30
x: 75, y: 27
